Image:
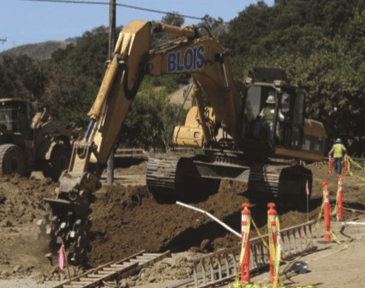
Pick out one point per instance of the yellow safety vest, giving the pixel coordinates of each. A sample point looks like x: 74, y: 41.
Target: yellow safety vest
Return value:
x: 268, y: 116
x: 338, y: 151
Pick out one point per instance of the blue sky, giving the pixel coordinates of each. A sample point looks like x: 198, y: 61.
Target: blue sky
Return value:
x: 23, y: 22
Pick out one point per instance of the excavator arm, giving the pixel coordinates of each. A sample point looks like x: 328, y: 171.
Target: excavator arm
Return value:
x: 200, y: 56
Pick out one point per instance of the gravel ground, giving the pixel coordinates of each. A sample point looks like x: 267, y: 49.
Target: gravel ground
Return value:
x: 25, y: 283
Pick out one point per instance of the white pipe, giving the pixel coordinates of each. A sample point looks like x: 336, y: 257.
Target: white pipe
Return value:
x: 353, y: 223
x: 211, y: 216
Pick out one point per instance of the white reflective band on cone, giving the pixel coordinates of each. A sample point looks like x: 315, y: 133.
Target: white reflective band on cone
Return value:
x: 244, y: 218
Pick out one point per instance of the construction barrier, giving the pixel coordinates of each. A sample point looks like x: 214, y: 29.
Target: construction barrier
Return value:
x: 223, y: 265
x: 271, y: 224
x: 346, y: 166
x: 353, y: 161
x: 245, y: 242
x: 326, y: 212
x: 339, y: 198
x: 325, y: 209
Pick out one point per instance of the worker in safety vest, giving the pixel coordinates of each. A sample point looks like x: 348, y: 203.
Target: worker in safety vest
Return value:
x: 267, y: 116
x: 337, y: 150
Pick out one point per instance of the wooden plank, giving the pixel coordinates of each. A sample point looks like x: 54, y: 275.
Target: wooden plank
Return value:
x: 83, y: 274
x: 84, y: 279
x: 204, y: 273
x: 111, y: 269
x: 74, y: 285
x: 133, y: 261
x: 110, y: 276
x: 130, y: 257
x: 118, y: 265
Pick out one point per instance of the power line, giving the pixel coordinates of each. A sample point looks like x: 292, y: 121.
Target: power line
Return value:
x: 117, y: 4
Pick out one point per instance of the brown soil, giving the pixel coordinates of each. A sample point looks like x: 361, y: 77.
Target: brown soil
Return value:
x: 127, y: 219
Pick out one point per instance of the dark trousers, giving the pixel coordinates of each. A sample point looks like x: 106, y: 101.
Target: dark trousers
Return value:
x: 337, y: 165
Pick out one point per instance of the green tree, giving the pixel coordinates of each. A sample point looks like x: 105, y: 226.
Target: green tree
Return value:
x: 149, y: 123
x: 173, y: 18
x: 21, y: 77
x: 88, y: 57
x: 246, y: 29
x: 211, y: 22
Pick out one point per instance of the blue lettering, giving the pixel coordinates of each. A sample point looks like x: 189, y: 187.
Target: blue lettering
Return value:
x: 188, y: 59
x: 179, y: 66
x: 193, y: 59
x: 200, y: 56
x: 171, y: 62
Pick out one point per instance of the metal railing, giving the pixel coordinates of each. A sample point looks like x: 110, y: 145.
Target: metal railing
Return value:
x: 223, y: 265
x: 131, y: 153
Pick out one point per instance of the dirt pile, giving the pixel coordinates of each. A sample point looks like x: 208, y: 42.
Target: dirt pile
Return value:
x: 21, y: 204
x: 137, y: 222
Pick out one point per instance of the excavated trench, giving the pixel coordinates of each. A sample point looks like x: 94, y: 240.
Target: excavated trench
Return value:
x: 127, y: 219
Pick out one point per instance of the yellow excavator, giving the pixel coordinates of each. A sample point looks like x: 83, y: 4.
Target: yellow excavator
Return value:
x: 237, y: 143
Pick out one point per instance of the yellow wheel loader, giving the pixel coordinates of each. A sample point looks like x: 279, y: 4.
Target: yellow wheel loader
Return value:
x: 32, y: 141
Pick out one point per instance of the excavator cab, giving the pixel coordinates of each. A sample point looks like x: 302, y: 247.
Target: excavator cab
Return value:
x: 15, y: 116
x: 273, y: 119
x: 273, y: 112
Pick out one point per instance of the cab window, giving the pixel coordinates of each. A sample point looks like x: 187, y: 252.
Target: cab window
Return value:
x: 253, y: 102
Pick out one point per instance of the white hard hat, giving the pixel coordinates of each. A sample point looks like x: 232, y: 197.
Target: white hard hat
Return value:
x: 270, y: 100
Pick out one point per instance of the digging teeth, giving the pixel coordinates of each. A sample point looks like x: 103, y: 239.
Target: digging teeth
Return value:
x: 64, y: 228
x: 79, y: 241
x: 48, y: 230
x: 73, y: 259
x: 41, y: 222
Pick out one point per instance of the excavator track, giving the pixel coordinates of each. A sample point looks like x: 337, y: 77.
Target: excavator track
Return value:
x: 284, y: 184
x: 265, y: 178
x: 267, y: 181
x: 161, y: 175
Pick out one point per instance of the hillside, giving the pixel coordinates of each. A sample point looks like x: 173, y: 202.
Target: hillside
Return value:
x: 39, y: 51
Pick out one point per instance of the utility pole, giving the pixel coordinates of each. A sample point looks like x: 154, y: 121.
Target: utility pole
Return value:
x: 112, y: 33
